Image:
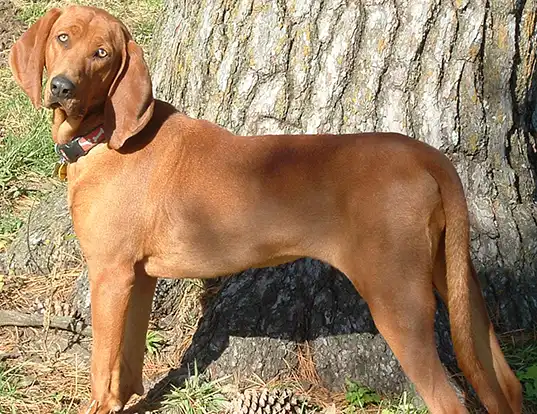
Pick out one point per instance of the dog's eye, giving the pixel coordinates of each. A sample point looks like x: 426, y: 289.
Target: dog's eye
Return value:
x: 101, y: 53
x: 63, y: 38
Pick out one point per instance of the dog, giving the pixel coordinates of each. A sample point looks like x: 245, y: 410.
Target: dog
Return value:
x: 154, y: 193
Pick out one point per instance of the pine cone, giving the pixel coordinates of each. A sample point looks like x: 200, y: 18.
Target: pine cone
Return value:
x: 266, y: 401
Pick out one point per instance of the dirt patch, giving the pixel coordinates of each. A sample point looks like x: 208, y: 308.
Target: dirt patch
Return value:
x: 10, y: 28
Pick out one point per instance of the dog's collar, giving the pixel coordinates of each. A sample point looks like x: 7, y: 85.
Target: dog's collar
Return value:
x: 80, y: 146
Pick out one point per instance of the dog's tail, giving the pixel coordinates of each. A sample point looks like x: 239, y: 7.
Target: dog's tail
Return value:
x: 476, y: 347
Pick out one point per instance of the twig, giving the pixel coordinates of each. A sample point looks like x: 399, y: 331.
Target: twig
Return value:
x: 14, y: 318
x: 9, y: 355
x: 28, y: 238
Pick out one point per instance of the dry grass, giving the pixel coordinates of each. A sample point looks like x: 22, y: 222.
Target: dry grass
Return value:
x: 22, y: 292
x: 49, y: 360
x: 138, y: 15
x: 46, y: 378
x: 310, y: 382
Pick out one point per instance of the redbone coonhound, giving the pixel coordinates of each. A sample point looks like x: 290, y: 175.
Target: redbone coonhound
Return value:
x: 154, y: 193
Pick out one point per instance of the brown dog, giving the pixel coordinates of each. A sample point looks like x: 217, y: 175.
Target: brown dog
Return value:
x: 164, y: 195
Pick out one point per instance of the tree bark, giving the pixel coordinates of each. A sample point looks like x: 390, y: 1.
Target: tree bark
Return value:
x: 457, y: 74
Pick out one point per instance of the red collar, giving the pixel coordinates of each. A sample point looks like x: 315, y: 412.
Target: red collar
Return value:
x: 80, y: 146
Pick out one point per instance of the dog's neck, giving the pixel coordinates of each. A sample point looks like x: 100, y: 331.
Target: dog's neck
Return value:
x: 65, y: 129
x: 74, y: 138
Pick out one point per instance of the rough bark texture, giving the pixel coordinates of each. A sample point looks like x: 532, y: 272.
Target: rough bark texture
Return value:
x: 458, y: 75
x: 253, y: 326
x: 47, y: 241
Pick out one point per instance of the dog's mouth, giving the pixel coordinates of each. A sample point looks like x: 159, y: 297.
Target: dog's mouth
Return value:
x: 71, y: 107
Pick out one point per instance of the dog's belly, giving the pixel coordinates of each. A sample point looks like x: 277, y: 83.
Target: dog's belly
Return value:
x: 206, y: 237
x: 232, y: 243
x: 174, y: 267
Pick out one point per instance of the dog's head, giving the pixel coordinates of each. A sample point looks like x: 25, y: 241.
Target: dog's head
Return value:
x: 92, y: 64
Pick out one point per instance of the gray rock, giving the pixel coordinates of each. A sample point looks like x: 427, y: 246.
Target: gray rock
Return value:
x: 263, y: 356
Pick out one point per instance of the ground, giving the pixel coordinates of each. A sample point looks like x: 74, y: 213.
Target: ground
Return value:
x: 44, y: 370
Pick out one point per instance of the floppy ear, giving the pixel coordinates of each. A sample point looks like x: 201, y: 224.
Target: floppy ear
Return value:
x: 129, y: 106
x: 27, y: 56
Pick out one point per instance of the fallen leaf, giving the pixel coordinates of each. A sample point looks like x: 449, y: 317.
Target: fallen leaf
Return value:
x: 331, y: 409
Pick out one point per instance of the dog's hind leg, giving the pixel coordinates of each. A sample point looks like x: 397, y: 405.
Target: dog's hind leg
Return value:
x: 406, y: 321
x: 396, y: 282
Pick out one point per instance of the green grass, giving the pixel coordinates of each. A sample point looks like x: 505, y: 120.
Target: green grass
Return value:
x: 9, y: 224
x: 523, y: 360
x: 153, y: 342
x: 9, y: 393
x: 31, y: 11
x: 361, y: 399
x: 359, y: 396
x: 401, y: 406
x: 26, y: 145
x: 25, y: 148
x: 197, y: 396
x: 138, y: 15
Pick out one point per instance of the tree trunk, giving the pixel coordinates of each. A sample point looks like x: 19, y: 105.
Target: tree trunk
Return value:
x: 457, y: 74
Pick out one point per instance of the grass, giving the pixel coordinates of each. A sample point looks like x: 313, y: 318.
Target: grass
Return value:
x: 360, y: 399
x: 9, y: 393
x: 25, y: 150
x: 42, y: 380
x: 358, y: 396
x: 520, y: 352
x: 153, y: 342
x: 138, y: 15
x: 23, y: 390
x: 9, y: 224
x: 522, y: 357
x: 198, y: 395
x: 26, y: 146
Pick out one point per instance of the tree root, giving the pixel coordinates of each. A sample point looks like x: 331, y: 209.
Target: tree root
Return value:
x: 14, y: 318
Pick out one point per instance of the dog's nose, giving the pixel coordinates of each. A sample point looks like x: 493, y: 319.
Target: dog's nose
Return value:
x: 61, y: 87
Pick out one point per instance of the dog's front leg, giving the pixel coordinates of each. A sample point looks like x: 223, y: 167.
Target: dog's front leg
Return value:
x: 121, y: 299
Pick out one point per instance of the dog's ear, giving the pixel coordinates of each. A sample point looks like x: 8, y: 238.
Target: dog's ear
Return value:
x: 27, y: 56
x: 130, y: 103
